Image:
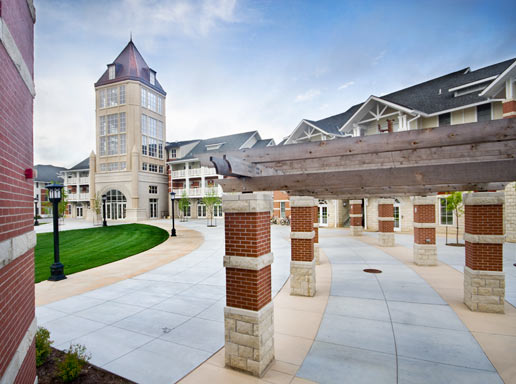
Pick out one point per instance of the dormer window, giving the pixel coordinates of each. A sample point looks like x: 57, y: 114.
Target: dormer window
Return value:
x: 212, y: 147
x: 111, y: 72
x: 152, y: 78
x: 173, y: 153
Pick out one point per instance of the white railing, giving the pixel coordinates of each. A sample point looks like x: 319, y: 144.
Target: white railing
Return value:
x: 217, y: 190
x: 72, y: 180
x: 195, y: 192
x: 72, y: 196
x: 179, y: 192
x: 209, y: 171
x: 84, y: 196
x: 180, y: 173
x: 198, y: 192
x: 194, y: 172
x: 84, y: 180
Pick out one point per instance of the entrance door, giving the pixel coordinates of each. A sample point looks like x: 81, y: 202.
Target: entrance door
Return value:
x: 79, y: 211
x: 153, y: 208
x: 323, y: 215
x: 116, y: 205
x: 397, y: 217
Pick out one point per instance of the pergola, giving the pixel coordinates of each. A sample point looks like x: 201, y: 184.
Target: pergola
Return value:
x: 469, y: 157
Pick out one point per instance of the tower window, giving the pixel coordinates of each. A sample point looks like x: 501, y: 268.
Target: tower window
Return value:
x: 152, y: 78
x: 111, y: 72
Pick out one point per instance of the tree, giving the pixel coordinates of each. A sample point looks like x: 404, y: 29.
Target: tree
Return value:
x: 454, y: 203
x: 183, y: 205
x: 97, y: 206
x: 210, y: 200
x: 63, y: 203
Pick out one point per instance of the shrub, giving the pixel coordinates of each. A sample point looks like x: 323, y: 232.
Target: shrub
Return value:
x: 75, y: 358
x: 43, y: 343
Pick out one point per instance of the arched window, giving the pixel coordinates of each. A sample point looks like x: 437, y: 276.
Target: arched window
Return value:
x: 115, y: 196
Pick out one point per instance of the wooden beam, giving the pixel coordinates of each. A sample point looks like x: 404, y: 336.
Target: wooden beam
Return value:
x: 239, y: 167
x: 412, y: 176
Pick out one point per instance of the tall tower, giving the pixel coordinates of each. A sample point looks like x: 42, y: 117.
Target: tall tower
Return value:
x: 129, y: 166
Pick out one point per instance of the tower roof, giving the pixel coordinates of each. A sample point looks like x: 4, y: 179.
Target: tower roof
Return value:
x: 130, y: 65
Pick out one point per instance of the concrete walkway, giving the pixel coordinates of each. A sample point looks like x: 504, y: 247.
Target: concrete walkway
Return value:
x: 391, y: 327
x: 158, y: 326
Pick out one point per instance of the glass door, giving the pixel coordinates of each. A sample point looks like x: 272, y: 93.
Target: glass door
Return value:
x: 397, y: 217
x: 79, y: 211
x: 323, y: 215
x: 153, y: 208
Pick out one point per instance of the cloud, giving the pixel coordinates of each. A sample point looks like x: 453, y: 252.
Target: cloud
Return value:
x: 378, y: 58
x: 308, y: 95
x: 345, y: 85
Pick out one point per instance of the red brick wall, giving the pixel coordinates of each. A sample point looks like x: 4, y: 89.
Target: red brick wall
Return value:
x: 302, y: 219
x: 17, y: 305
x: 484, y: 257
x: 248, y: 289
x: 421, y: 234
x: 247, y: 234
x: 484, y: 219
x: 16, y: 192
x: 302, y: 249
x: 385, y: 210
x: 508, y: 107
x: 356, y: 209
x: 356, y: 221
x: 424, y: 213
x: 316, y: 220
x: 386, y: 226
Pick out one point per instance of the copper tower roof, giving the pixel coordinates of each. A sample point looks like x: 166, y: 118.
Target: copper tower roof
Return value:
x: 130, y: 65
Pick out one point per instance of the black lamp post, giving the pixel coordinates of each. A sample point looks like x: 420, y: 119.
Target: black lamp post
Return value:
x: 173, y: 198
x: 36, y: 222
x: 54, y: 195
x: 104, y: 199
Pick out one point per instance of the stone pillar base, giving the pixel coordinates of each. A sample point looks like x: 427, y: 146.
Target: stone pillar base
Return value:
x: 425, y: 254
x: 316, y: 254
x: 386, y: 239
x: 356, y: 230
x: 249, y: 339
x: 484, y: 291
x: 302, y: 278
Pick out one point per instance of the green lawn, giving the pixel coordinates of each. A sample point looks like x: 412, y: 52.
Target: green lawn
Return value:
x: 88, y: 248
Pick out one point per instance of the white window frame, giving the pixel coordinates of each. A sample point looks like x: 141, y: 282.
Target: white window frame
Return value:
x: 440, y: 216
x: 111, y: 72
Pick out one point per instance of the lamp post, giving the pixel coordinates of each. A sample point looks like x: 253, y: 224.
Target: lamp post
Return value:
x: 173, y: 198
x: 54, y: 195
x: 104, y: 199
x: 36, y: 222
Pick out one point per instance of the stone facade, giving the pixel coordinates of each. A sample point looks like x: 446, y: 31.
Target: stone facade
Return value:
x: 302, y: 265
x: 484, y: 291
x: 248, y: 315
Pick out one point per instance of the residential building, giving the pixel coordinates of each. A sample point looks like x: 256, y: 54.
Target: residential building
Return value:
x: 45, y: 174
x: 463, y: 96
x: 76, y: 181
x: 129, y: 164
x: 188, y: 178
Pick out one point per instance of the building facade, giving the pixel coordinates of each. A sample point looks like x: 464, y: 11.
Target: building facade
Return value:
x: 17, y: 236
x: 45, y: 174
x: 129, y: 165
x: 187, y: 178
x: 460, y: 97
x: 76, y: 181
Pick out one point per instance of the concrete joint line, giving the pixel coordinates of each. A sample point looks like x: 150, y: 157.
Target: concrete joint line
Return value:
x: 355, y: 202
x: 484, y: 239
x: 385, y: 218
x: 385, y: 201
x: 302, y: 235
x: 251, y: 263
x: 484, y: 198
x: 355, y: 215
x: 15, y: 247
x: 424, y: 225
x: 14, y: 53
x: 423, y: 246
x: 246, y: 312
x: 482, y: 272
x: 16, y: 362
x: 302, y: 264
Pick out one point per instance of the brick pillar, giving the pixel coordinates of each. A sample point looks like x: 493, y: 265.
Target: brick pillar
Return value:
x: 356, y: 218
x: 316, y: 236
x: 509, y: 109
x: 386, y: 222
x: 248, y: 315
x: 484, y: 279
x: 302, y: 264
x: 425, y: 250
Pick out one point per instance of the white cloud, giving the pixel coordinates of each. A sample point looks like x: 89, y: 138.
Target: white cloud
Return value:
x: 345, y: 85
x: 378, y: 58
x: 308, y: 95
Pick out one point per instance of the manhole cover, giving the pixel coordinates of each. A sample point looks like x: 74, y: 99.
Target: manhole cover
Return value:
x: 372, y: 270
x: 514, y: 264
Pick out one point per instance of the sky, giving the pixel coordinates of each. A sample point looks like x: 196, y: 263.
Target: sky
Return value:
x: 231, y: 66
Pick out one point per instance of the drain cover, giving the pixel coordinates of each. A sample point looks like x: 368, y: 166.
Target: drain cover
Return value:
x: 371, y: 270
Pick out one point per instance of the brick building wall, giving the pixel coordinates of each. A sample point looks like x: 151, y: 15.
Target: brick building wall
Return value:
x: 17, y: 237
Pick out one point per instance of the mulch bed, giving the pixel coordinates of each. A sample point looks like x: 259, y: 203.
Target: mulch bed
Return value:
x: 47, y: 373
x: 456, y: 244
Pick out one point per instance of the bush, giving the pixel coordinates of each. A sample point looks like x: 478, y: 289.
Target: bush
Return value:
x: 43, y: 343
x: 75, y: 358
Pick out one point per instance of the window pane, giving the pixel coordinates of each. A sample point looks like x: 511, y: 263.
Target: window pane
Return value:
x: 122, y: 94
x: 144, y: 124
x: 122, y: 121
x: 102, y: 124
x: 144, y: 98
x: 103, y: 98
x: 144, y: 145
x: 113, y: 145
x: 122, y: 144
x: 112, y: 124
x: 160, y: 105
x: 102, y: 146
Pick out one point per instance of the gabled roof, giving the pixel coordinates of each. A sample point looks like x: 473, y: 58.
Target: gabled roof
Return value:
x: 48, y: 173
x: 228, y: 143
x: 333, y: 123
x: 85, y: 164
x: 177, y: 144
x: 130, y: 65
x: 264, y: 143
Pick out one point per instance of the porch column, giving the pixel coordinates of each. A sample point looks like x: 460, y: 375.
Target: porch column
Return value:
x: 248, y: 315
x: 356, y: 218
x: 316, y: 236
x: 425, y: 250
x: 302, y: 264
x: 484, y: 279
x: 386, y: 222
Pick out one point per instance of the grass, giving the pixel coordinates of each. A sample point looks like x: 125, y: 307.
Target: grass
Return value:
x: 88, y: 248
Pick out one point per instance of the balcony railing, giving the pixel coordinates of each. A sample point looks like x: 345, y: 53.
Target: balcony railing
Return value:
x: 180, y: 173
x: 84, y: 180
x: 84, y: 196
x: 72, y: 180
x: 72, y: 196
x: 198, y: 192
x: 194, y: 172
